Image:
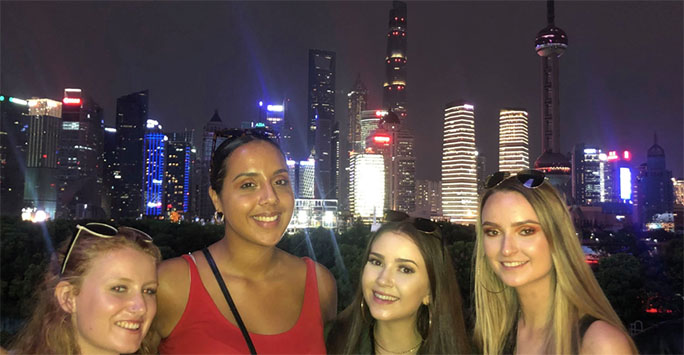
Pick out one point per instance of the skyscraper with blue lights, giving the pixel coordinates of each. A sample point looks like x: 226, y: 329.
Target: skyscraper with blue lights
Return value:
x: 155, y: 142
x: 321, y: 121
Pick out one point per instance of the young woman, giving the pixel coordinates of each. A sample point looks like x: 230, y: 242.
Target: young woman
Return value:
x: 256, y: 297
x: 99, y: 299
x: 408, y: 301
x: 534, y: 294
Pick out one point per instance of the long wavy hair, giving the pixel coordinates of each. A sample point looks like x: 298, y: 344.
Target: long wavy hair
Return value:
x: 50, y: 329
x: 446, y: 334
x: 575, y: 291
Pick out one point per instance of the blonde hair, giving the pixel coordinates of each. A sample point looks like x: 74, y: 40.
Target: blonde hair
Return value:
x: 49, y: 330
x: 575, y: 291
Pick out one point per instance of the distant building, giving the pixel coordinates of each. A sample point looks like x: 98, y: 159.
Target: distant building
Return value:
x: 428, y: 198
x: 112, y: 170
x: 321, y: 117
x: 481, y: 172
x: 394, y: 87
x: 206, y: 207
x: 678, y: 188
x: 302, y: 175
x: 313, y: 213
x: 40, y: 189
x: 655, y: 188
x: 586, y: 175
x: 131, y: 122
x: 368, y: 122
x: 155, y: 147
x: 367, y: 186
x: 178, y: 175
x: 459, y: 164
x: 514, y: 143
x: 14, y: 133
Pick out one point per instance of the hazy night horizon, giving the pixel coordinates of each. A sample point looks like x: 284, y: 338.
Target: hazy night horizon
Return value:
x: 620, y: 78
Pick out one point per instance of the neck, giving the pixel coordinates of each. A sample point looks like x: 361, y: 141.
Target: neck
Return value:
x: 397, y: 336
x: 243, y: 258
x: 534, y: 303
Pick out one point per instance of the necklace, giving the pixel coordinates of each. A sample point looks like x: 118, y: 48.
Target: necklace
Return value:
x: 400, y: 352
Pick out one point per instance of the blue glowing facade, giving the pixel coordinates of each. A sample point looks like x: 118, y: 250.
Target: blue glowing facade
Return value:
x: 154, y: 168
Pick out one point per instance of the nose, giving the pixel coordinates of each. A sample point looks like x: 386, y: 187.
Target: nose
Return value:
x: 385, y: 278
x: 268, y: 195
x: 137, y: 304
x: 509, y: 245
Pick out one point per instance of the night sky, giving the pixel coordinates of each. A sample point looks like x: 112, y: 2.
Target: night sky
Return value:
x: 621, y: 77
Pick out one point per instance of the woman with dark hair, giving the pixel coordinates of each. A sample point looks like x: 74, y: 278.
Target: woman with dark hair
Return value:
x: 533, y: 291
x: 98, y: 295
x: 408, y: 300
x: 242, y: 294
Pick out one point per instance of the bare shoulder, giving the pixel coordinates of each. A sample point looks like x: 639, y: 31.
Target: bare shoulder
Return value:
x: 327, y: 292
x: 604, y: 338
x: 172, y: 294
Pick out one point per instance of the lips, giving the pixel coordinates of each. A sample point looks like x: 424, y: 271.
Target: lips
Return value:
x: 513, y: 264
x: 129, y: 325
x: 266, y: 218
x: 384, y: 298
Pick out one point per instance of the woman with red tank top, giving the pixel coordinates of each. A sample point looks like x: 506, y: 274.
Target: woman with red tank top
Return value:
x: 242, y: 294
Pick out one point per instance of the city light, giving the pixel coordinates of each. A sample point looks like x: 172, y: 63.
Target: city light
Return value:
x: 385, y: 140
x: 71, y: 101
x: 625, y: 184
x: 275, y: 108
x: 17, y: 101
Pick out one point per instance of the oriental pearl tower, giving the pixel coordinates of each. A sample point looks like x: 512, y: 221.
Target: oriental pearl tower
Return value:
x: 550, y: 44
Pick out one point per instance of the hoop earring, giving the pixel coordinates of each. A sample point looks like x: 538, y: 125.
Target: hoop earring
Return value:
x: 218, y: 217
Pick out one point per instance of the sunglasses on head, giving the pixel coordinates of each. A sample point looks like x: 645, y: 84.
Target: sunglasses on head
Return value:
x: 221, y: 136
x: 528, y: 178
x: 99, y: 230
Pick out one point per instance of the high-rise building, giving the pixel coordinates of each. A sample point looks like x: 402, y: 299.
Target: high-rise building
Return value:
x: 40, y: 189
x: 321, y: 114
x: 367, y: 186
x: 131, y: 123
x: 586, y: 175
x: 459, y: 164
x: 369, y: 121
x: 514, y: 144
x: 302, y: 177
x: 155, y: 146
x: 80, y: 157
x: 14, y: 129
x: 481, y: 172
x: 428, y: 198
x: 206, y: 208
x: 396, y: 146
x: 656, y: 195
x: 111, y: 169
x: 357, y: 100
x: 394, y: 88
x: 550, y: 44
x: 678, y: 188
x: 178, y: 175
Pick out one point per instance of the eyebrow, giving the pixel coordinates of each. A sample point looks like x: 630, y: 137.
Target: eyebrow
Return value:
x: 516, y: 224
x: 253, y: 174
x: 401, y: 260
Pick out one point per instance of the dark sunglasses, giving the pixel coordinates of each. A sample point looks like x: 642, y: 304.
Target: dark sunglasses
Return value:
x: 100, y: 230
x: 528, y: 178
x: 423, y: 225
x: 221, y: 136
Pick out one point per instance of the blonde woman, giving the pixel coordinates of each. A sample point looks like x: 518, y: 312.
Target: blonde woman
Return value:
x: 533, y: 292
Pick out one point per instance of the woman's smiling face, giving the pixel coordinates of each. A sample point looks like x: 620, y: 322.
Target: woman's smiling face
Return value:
x: 395, y: 280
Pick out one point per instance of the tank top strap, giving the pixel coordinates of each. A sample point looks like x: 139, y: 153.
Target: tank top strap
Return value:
x: 311, y: 309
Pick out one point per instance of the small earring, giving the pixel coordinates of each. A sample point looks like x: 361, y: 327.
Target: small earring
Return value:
x: 429, y: 319
x: 218, y: 217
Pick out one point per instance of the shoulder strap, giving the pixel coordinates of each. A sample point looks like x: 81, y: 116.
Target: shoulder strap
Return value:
x: 229, y: 299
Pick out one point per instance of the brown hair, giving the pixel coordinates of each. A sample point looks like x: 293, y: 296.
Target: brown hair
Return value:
x: 49, y: 330
x: 446, y: 334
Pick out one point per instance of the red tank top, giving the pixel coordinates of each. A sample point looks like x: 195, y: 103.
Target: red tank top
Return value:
x: 202, y: 328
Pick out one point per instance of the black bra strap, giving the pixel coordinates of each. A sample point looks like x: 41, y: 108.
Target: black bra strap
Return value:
x: 229, y: 299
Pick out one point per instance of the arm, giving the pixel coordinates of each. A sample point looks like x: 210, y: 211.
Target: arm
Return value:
x: 172, y: 296
x: 327, y: 293
x: 603, y: 338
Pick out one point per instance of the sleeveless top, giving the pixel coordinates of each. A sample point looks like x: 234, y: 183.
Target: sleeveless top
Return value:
x: 202, y: 329
x: 582, y: 326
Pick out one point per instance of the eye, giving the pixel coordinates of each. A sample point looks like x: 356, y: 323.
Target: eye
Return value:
x: 282, y: 182
x: 119, y: 289
x: 374, y: 261
x: 150, y: 291
x: 491, y: 232
x: 406, y: 270
x: 527, y: 231
x: 247, y: 185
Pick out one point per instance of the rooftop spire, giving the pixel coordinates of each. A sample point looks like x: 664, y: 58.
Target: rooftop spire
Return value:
x: 550, y: 13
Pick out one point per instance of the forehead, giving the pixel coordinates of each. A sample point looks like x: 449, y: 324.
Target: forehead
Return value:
x: 253, y: 156
x: 508, y: 205
x: 397, y: 245
x: 122, y: 263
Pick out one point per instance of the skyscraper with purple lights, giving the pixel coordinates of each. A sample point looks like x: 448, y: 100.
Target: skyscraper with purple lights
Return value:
x: 394, y: 88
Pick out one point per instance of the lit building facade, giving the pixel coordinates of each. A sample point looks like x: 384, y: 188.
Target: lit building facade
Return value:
x: 514, y: 143
x: 394, y: 87
x: 79, y: 157
x: 111, y: 169
x: 656, y: 195
x: 131, y: 123
x: 367, y: 186
x: 586, y: 175
x: 678, y: 188
x: 459, y: 164
x: 302, y: 175
x: 40, y: 188
x: 313, y: 213
x: 428, y: 198
x: 368, y: 122
x: 321, y: 119
x: 178, y: 175
x: 155, y: 143
x: 14, y: 129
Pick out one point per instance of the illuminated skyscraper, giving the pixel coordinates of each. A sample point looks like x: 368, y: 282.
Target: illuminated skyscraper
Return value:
x: 40, y: 189
x: 14, y: 128
x: 655, y: 188
x: 368, y: 122
x: 357, y: 102
x: 155, y: 144
x: 459, y: 164
x: 586, y: 175
x: 80, y: 157
x: 178, y: 175
x: 428, y: 198
x: 367, y: 186
x: 321, y: 114
x: 513, y: 140
x: 550, y: 44
x: 394, y: 88
x: 131, y: 122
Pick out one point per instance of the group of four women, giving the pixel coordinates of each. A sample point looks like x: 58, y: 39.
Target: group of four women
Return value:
x: 533, y: 293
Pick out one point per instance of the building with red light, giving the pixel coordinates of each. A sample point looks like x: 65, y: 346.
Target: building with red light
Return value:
x: 394, y: 87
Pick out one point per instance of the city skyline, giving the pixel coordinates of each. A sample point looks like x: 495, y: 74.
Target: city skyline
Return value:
x: 622, y: 74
